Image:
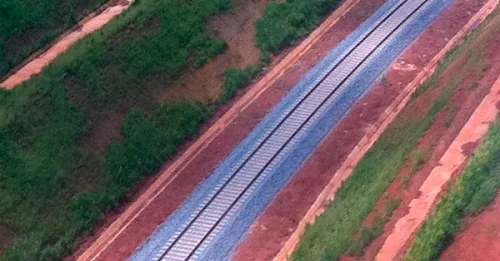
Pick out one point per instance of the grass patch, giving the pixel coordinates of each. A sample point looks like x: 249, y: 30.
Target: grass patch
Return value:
x: 368, y: 234
x: 366, y: 237
x: 417, y: 160
x: 236, y: 78
x: 284, y: 22
x: 474, y: 189
x: 43, y: 122
x: 390, y: 205
x: 27, y: 27
x: 474, y: 85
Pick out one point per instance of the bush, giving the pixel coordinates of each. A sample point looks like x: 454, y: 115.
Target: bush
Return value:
x: 236, y: 78
x: 283, y: 23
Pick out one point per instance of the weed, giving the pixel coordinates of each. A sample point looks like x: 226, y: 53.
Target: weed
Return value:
x: 366, y: 236
x: 390, y: 204
x: 451, y: 112
x: 284, y: 22
x: 405, y: 181
x: 474, y: 85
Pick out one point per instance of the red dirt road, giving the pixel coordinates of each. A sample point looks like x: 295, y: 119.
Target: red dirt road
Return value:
x: 136, y: 223
x: 280, y: 219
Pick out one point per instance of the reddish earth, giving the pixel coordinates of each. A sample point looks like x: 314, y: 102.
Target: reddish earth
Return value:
x: 434, y: 143
x: 202, y: 85
x: 247, y: 113
x: 480, y: 239
x: 39, y: 60
x: 8, y: 235
x: 237, y: 27
x: 280, y: 219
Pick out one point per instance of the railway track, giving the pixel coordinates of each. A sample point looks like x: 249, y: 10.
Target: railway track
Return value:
x: 202, y: 226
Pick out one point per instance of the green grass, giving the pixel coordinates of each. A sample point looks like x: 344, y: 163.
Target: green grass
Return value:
x: 474, y: 189
x: 390, y: 205
x: 284, y: 22
x: 28, y: 26
x: 51, y: 188
x: 451, y: 112
x: 366, y: 237
x: 418, y: 159
x: 368, y: 234
x: 235, y: 79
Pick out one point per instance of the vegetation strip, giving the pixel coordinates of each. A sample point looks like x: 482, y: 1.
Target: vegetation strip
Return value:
x: 450, y: 161
x: 469, y: 195
x: 334, y: 229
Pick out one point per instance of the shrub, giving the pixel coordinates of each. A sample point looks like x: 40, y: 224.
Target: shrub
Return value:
x: 283, y: 23
x: 236, y: 78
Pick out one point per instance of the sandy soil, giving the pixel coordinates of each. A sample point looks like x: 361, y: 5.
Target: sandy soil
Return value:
x: 281, y: 217
x: 91, y: 23
x: 480, y: 240
x: 123, y: 230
